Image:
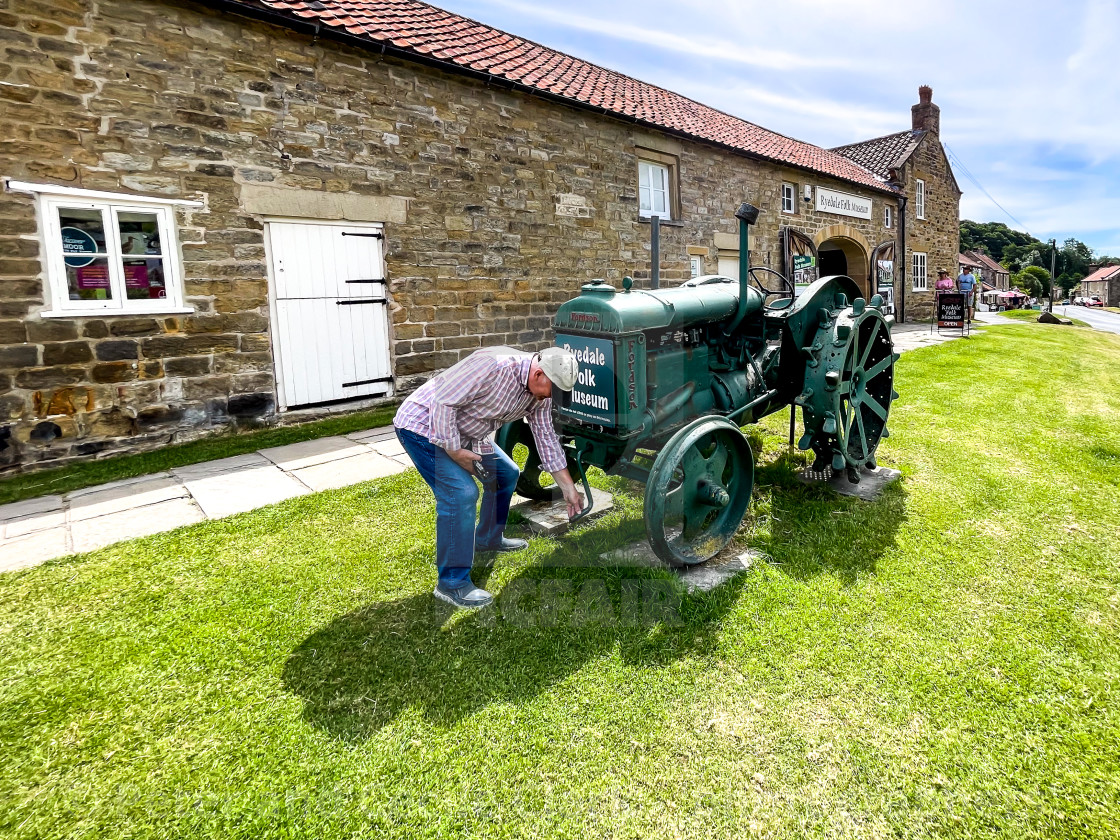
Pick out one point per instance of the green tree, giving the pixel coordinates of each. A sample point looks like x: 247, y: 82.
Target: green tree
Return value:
x: 1033, y: 280
x: 1074, y: 258
x: 992, y: 238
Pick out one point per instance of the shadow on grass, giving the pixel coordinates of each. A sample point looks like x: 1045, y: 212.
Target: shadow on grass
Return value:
x: 364, y: 669
x: 361, y: 671
x: 814, y: 530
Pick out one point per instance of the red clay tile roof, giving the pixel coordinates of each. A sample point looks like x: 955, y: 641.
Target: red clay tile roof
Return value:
x: 1105, y: 272
x: 432, y: 33
x: 965, y: 259
x: 883, y: 153
x: 988, y: 262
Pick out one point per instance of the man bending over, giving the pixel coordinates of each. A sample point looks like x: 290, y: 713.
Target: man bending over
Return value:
x: 445, y: 427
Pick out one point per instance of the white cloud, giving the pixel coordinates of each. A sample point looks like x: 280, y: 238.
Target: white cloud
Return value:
x: 712, y: 47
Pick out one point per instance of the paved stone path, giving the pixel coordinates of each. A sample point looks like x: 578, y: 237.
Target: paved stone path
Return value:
x: 39, y: 529
x: 36, y: 530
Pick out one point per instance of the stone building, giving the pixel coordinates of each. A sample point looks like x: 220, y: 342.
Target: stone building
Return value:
x: 1103, y: 282
x: 987, y: 269
x: 234, y: 212
x: 915, y: 163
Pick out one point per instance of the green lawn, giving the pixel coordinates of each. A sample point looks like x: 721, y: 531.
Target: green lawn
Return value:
x: 942, y: 662
x: 89, y: 473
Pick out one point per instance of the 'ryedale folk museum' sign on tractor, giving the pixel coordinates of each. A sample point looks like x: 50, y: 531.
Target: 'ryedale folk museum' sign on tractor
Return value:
x: 668, y: 376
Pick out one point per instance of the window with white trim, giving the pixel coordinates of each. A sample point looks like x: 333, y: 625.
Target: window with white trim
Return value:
x: 886, y: 215
x: 919, y: 198
x: 108, y: 253
x: 918, y: 271
x: 654, y: 196
x: 696, y: 266
x: 789, y: 198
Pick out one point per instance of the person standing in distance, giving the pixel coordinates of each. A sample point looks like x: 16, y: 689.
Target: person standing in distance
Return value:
x: 967, y: 284
x: 445, y: 426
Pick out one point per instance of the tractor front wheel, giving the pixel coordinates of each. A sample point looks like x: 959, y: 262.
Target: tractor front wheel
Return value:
x: 698, y: 491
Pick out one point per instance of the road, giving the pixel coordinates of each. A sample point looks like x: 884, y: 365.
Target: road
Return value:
x: 1096, y: 318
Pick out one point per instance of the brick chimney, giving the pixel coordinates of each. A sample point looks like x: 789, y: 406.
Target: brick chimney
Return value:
x: 925, y: 116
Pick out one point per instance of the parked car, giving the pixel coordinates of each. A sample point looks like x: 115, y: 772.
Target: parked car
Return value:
x: 1079, y: 301
x: 1065, y: 302
x: 1095, y: 301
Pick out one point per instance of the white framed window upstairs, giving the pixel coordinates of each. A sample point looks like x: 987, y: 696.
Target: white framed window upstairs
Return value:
x: 107, y: 253
x: 919, y: 272
x: 886, y: 215
x: 919, y: 198
x: 789, y: 198
x: 654, y: 198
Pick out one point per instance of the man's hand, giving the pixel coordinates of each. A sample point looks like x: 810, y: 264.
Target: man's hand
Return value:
x: 572, y: 495
x: 574, y: 498
x: 465, y: 459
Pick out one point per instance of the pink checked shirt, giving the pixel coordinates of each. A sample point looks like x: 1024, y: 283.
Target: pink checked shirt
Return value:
x: 463, y: 406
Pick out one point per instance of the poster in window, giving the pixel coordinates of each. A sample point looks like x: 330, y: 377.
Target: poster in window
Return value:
x: 76, y: 244
x: 885, y: 285
x: 93, y: 277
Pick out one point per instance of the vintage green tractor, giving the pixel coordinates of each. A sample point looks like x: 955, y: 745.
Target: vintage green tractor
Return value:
x: 668, y: 377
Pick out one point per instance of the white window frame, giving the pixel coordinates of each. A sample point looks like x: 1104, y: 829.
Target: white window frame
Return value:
x: 887, y: 216
x: 52, y: 198
x: 919, y: 271
x: 695, y: 266
x: 919, y: 198
x: 646, y: 171
x: 789, y: 198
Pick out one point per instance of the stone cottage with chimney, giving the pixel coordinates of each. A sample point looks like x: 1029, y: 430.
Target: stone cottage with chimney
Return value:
x: 915, y: 163
x: 230, y: 213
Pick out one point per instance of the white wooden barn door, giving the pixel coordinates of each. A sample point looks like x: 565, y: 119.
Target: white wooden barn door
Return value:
x: 330, y: 328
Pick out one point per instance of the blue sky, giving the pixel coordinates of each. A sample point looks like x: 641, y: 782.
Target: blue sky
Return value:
x: 1029, y: 91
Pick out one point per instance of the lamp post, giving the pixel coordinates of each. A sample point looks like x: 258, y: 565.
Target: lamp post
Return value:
x: 1053, y: 268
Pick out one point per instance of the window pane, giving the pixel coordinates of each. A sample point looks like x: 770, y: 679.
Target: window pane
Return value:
x: 653, y: 188
x: 144, y: 279
x: 90, y: 280
x: 139, y: 232
x: 83, y: 235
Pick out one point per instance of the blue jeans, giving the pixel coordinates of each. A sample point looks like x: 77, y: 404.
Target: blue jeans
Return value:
x: 456, y: 496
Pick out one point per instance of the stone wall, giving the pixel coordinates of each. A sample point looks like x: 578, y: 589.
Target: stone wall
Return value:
x: 938, y: 235
x: 512, y: 203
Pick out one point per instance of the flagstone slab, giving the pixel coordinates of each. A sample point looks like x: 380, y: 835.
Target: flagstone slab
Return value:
x: 207, y: 469
x: 226, y: 493
x: 871, y: 485
x: 112, y: 485
x: 373, y: 435
x: 551, y: 518
x: 349, y: 471
x: 100, y: 531
x: 308, y: 453
x: 17, y: 510
x: 34, y: 549
x: 13, y: 528
x: 134, y: 494
x: 702, y: 577
x: 389, y: 447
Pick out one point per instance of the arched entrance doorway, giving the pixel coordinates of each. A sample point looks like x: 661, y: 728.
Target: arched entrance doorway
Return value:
x: 842, y: 249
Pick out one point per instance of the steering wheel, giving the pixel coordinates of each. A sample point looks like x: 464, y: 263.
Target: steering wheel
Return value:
x: 780, y: 290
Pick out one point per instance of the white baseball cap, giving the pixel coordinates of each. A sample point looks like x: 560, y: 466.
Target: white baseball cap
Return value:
x: 560, y: 366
